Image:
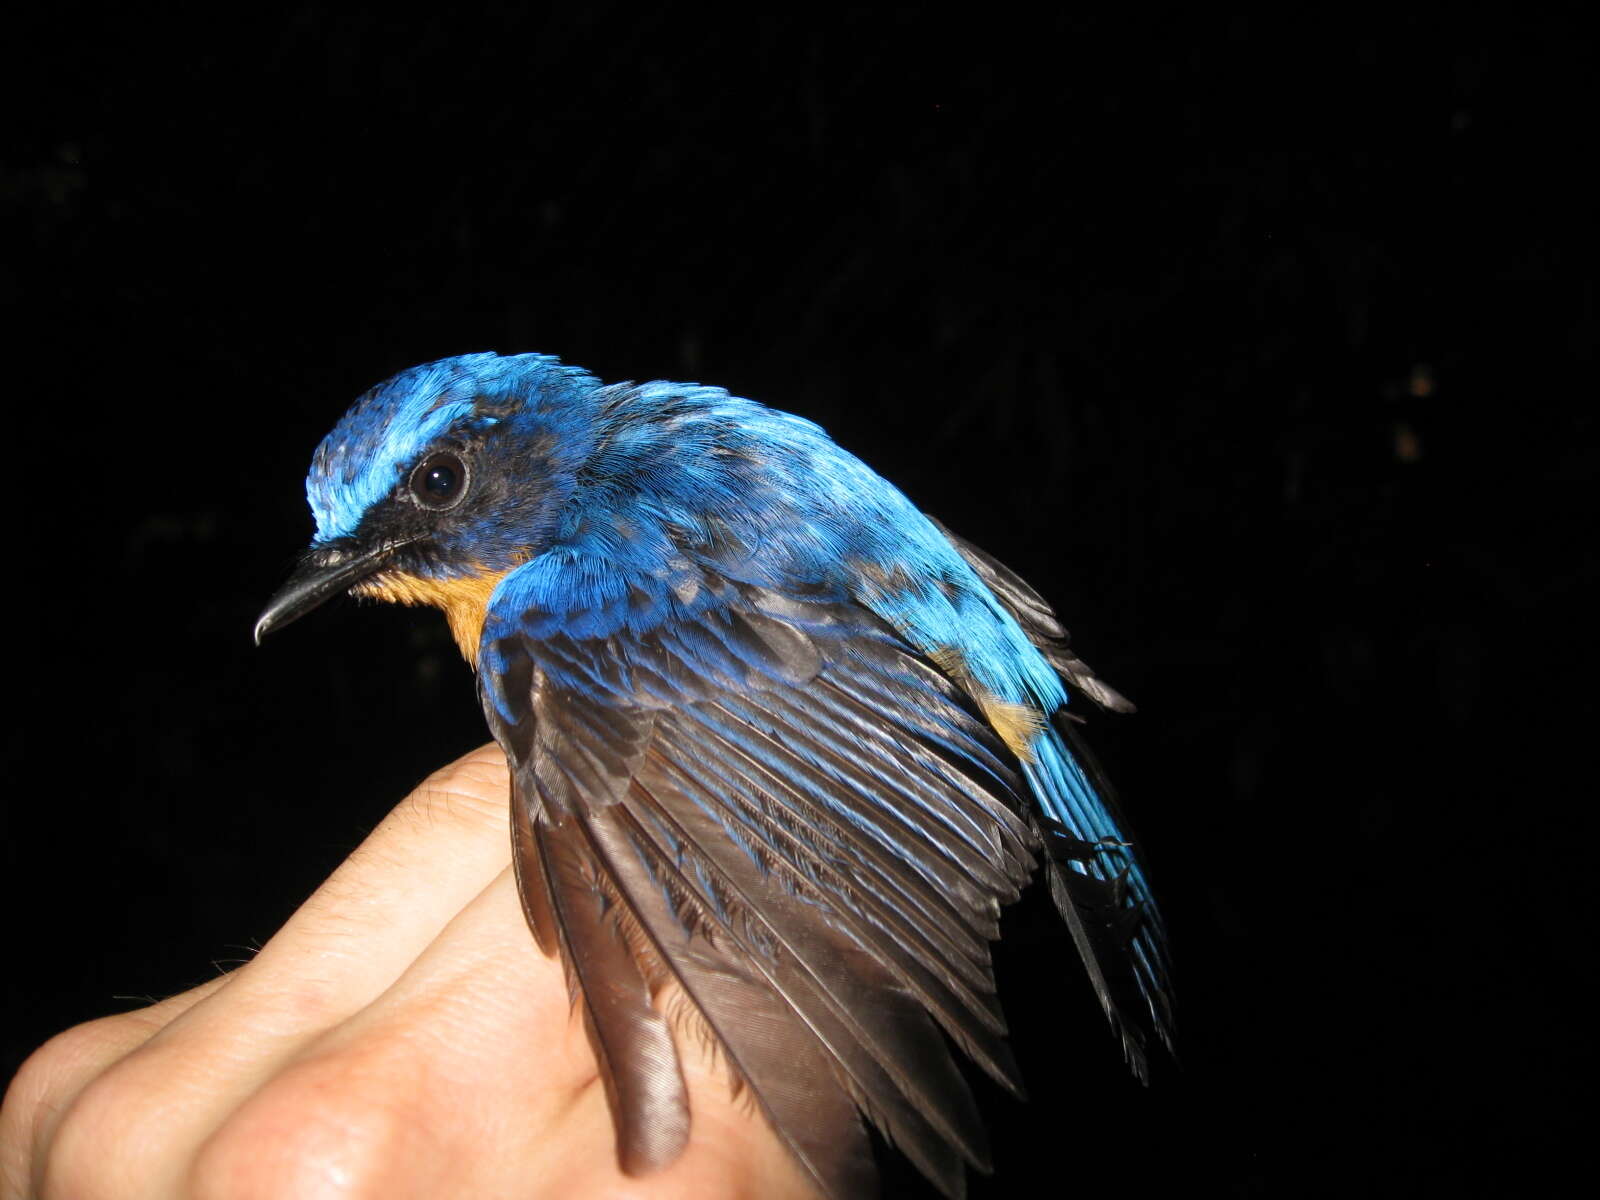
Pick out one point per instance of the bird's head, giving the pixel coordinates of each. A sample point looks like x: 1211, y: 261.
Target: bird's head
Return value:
x: 439, y: 481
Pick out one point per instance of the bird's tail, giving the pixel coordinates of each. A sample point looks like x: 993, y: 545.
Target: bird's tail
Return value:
x: 1098, y: 883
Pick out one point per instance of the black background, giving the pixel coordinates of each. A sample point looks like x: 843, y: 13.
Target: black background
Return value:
x: 1265, y: 349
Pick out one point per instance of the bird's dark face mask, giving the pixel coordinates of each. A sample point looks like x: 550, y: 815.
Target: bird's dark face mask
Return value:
x: 448, y: 532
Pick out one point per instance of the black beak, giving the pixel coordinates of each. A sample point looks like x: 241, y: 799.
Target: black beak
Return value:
x: 325, y: 571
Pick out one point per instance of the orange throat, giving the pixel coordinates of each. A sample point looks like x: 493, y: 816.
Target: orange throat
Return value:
x: 464, y: 600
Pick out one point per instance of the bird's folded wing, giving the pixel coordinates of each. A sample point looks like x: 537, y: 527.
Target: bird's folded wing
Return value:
x: 1096, y: 878
x: 770, y: 801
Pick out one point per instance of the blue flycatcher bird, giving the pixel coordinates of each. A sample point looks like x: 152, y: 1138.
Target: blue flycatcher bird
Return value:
x: 775, y: 736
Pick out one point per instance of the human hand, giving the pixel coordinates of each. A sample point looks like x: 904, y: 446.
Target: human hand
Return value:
x: 401, y: 1036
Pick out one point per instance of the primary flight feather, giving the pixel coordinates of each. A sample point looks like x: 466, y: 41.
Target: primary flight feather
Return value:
x: 776, y: 737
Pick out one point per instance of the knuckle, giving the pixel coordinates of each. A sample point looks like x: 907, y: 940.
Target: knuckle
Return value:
x: 49, y: 1083
x: 324, y: 1128
x: 27, y: 1102
x: 69, y: 1053
x: 112, y: 1130
x: 472, y: 790
x: 39, y: 1078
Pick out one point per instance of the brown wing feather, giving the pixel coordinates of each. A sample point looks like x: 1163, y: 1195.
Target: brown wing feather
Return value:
x: 824, y: 917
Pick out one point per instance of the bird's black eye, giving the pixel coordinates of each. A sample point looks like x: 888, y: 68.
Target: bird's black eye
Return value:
x: 439, y: 481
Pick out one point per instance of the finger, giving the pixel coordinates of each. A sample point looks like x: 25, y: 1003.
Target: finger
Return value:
x: 371, y: 918
x: 472, y: 1076
x: 360, y: 930
x: 428, y: 858
x: 57, y: 1071
x: 465, y: 1058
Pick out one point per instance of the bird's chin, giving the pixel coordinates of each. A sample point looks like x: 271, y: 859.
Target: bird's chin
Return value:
x: 464, y: 599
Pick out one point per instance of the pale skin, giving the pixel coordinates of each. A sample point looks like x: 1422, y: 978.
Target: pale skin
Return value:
x: 402, y: 1036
